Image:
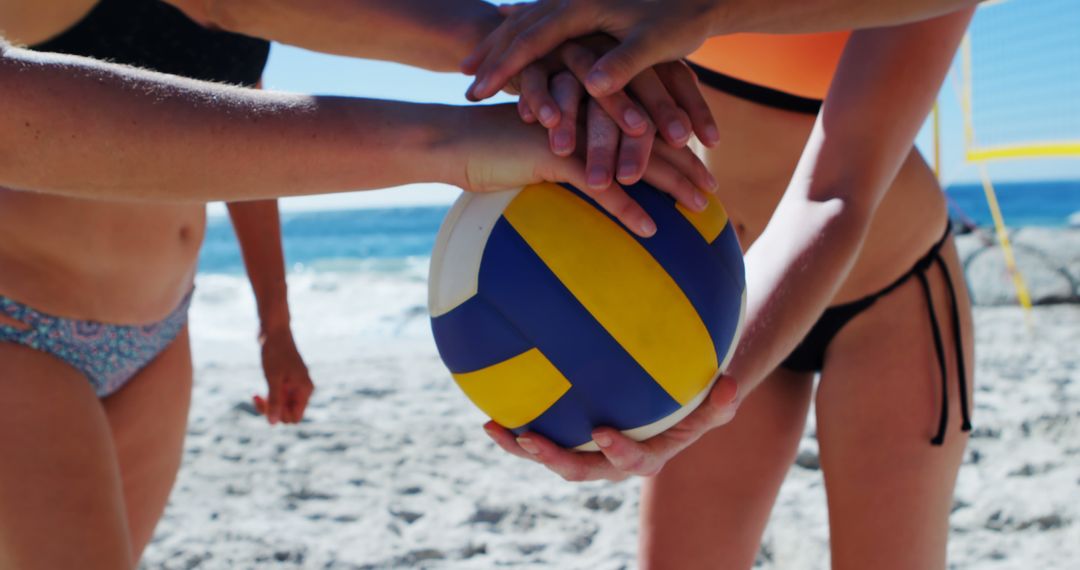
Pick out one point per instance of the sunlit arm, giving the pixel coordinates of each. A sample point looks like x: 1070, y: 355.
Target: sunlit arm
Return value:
x: 884, y: 88
x: 433, y: 34
x: 78, y: 127
x: 812, y: 16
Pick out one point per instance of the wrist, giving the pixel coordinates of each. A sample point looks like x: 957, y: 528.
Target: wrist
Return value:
x: 276, y: 329
x: 274, y: 320
x: 448, y: 146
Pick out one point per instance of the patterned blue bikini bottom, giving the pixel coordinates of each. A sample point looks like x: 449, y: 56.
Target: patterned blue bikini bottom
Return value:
x: 108, y: 355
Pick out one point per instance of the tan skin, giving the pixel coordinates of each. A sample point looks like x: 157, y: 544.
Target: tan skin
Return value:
x: 711, y: 488
x: 103, y: 481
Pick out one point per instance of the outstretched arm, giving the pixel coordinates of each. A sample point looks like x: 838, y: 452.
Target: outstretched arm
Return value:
x: 77, y: 127
x: 883, y: 90
x: 433, y: 34
x: 656, y: 32
x: 135, y: 134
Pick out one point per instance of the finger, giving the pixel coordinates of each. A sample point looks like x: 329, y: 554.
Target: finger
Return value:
x: 569, y: 465
x: 303, y: 396
x: 627, y: 455
x: 689, y: 165
x: 260, y: 405
x: 602, y: 136
x: 631, y: 117
x: 723, y: 401
x: 634, y: 157
x: 546, y: 32
x: 505, y: 440
x: 535, y: 92
x: 672, y: 122
x: 288, y: 408
x: 667, y: 178
x: 567, y: 92
x: 525, y: 112
x: 495, y: 45
x: 619, y: 204
x: 274, y: 404
x: 615, y: 69
x: 682, y: 84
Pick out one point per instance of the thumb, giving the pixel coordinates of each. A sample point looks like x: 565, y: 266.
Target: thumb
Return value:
x: 618, y: 67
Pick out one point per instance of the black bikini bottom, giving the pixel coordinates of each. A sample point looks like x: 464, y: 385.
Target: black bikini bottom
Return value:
x: 809, y: 356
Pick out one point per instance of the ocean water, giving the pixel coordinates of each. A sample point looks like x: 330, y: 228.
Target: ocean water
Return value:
x: 1022, y: 203
x: 399, y: 240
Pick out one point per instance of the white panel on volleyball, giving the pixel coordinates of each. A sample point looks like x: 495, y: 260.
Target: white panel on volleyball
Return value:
x: 459, y: 247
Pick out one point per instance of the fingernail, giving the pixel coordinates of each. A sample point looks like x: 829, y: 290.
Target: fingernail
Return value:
x: 713, y: 184
x: 528, y: 445
x: 700, y: 201
x: 602, y: 439
x: 627, y: 170
x: 677, y: 131
x: 563, y: 144
x: 634, y: 119
x: 712, y: 135
x: 598, y: 177
x: 599, y: 81
x: 648, y: 228
x: 547, y: 115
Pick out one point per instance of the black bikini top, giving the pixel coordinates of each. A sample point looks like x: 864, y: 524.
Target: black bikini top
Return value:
x: 153, y: 35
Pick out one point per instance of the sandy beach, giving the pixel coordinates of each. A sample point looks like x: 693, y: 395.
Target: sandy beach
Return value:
x: 391, y: 469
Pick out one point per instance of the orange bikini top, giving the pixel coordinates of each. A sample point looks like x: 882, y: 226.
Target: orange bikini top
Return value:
x: 799, y: 64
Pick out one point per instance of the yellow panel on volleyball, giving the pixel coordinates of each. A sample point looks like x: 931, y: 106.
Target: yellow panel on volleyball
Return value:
x: 609, y: 273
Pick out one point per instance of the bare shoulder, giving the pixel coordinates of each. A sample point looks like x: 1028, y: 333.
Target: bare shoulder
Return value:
x: 29, y: 22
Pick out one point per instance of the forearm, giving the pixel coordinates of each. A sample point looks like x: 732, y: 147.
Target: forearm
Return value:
x: 137, y: 135
x: 813, y: 16
x: 886, y: 84
x: 258, y: 229
x: 433, y: 34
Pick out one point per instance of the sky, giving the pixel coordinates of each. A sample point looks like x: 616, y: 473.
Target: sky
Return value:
x: 1026, y: 77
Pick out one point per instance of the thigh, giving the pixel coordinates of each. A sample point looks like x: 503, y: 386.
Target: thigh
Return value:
x: 878, y: 405
x: 148, y: 418
x: 708, y: 507
x: 61, y: 504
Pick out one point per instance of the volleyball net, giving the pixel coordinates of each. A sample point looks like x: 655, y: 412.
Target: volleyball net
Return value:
x: 1019, y: 94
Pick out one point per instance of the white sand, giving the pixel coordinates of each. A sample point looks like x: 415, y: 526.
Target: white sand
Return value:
x: 391, y: 469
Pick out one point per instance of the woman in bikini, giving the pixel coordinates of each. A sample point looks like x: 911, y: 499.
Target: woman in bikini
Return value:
x: 852, y: 275
x: 94, y: 356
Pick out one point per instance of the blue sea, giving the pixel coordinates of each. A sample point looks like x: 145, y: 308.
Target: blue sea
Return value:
x: 392, y: 240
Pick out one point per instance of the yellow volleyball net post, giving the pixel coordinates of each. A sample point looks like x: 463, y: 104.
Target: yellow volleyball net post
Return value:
x: 973, y: 154
x: 1021, y: 101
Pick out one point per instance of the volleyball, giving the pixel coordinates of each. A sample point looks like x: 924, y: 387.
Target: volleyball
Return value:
x: 553, y: 318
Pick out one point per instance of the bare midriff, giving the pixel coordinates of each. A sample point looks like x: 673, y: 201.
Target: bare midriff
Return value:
x: 103, y: 261
x: 754, y: 161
